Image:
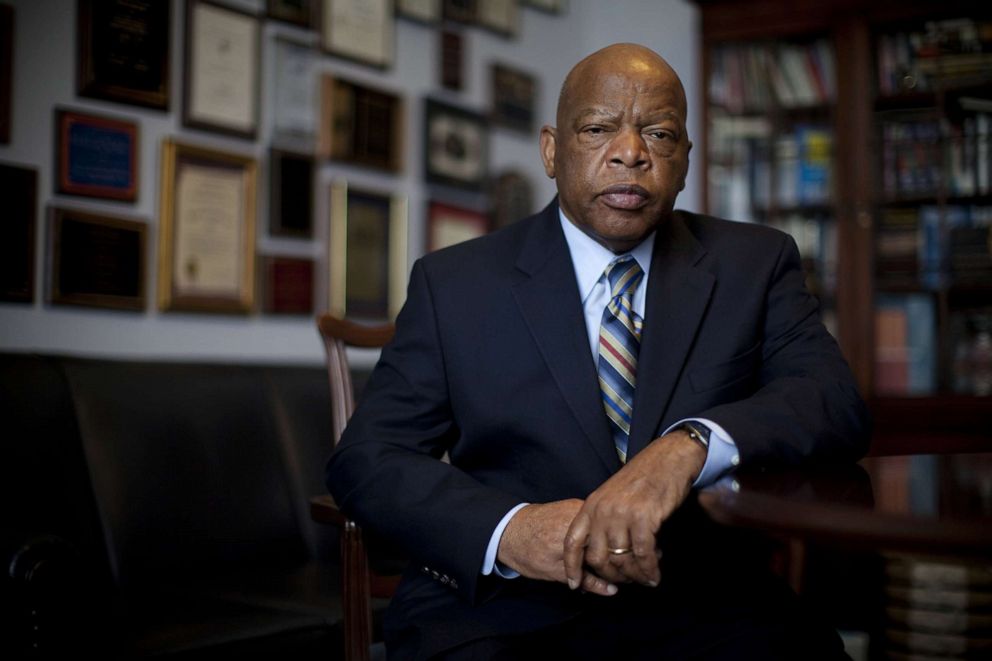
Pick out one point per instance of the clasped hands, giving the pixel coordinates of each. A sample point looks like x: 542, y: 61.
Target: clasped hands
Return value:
x: 570, y: 541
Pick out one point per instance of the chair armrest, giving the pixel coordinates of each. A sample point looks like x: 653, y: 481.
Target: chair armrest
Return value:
x: 323, y: 509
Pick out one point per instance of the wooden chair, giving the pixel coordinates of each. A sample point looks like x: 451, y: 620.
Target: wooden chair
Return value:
x: 361, y: 580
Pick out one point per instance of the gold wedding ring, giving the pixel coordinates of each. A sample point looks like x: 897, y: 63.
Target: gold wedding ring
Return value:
x: 619, y: 551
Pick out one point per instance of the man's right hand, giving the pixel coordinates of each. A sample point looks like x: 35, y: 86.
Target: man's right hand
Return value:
x: 533, y: 543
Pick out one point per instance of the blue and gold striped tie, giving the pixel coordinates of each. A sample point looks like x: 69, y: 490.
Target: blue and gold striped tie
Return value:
x: 619, y: 341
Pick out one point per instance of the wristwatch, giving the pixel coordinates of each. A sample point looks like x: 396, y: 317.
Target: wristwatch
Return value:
x: 697, y: 431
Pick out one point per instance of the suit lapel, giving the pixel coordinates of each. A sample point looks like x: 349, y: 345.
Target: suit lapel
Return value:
x: 678, y: 294
x: 548, y: 298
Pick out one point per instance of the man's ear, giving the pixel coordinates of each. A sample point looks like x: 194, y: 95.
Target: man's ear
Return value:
x: 685, y: 173
x: 549, y: 135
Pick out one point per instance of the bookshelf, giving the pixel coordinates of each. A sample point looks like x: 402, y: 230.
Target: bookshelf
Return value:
x: 864, y: 129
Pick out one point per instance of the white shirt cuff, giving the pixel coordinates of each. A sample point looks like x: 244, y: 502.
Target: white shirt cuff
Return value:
x: 721, y: 456
x: 489, y: 563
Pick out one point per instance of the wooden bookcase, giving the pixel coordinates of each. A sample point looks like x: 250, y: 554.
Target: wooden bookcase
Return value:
x: 864, y: 128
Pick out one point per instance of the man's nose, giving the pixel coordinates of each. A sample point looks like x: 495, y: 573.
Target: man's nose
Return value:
x: 628, y: 149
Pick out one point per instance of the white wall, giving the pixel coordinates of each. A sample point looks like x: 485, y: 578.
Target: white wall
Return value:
x: 44, y: 77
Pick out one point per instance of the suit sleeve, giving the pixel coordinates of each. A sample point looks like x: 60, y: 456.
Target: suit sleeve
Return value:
x: 806, y: 407
x: 387, y: 473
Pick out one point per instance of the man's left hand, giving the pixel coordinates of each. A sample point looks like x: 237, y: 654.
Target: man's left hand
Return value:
x: 627, y: 511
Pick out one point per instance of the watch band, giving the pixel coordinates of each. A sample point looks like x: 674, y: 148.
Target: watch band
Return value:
x: 698, y: 432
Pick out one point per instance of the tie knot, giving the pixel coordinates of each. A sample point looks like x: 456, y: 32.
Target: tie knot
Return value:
x: 624, y: 275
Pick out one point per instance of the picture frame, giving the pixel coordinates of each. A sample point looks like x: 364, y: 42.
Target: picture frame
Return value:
x: 460, y: 11
x: 6, y: 70
x: 367, y: 255
x: 456, y: 144
x: 513, y: 98
x: 19, y: 192
x: 222, y: 74
x: 123, y: 52
x: 291, y: 185
x: 206, y: 230
x: 512, y: 198
x: 363, y: 31
x: 296, y: 12
x: 499, y: 16
x: 427, y: 12
x: 96, y: 260
x: 287, y: 285
x: 452, y: 59
x: 360, y: 125
x: 295, y: 92
x: 96, y: 156
x: 448, y: 224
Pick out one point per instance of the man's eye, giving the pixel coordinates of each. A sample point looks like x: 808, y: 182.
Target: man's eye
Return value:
x: 661, y: 135
x: 594, y: 130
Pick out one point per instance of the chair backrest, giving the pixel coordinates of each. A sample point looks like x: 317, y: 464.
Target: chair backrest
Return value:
x: 338, y: 334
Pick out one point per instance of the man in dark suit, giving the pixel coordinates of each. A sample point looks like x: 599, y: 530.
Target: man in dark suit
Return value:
x: 584, y: 369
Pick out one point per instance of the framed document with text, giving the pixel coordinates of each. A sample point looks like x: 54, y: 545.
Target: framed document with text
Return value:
x: 19, y: 191
x: 367, y: 263
x: 360, y: 30
x: 360, y: 125
x: 513, y: 94
x: 456, y: 146
x: 124, y: 51
x: 500, y: 16
x: 96, y: 260
x: 97, y: 156
x: 206, y: 230
x: 448, y: 225
x: 222, y: 69
x: 295, y: 92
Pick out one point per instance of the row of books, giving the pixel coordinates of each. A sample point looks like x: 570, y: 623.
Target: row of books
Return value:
x: 816, y: 238
x: 937, y: 608
x: 971, y: 338
x: 753, y: 171
x: 905, y: 345
x: 934, y: 247
x: 923, y: 157
x: 758, y: 77
x: 949, y: 53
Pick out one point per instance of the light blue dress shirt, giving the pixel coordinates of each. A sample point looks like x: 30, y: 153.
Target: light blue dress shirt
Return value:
x: 590, y: 260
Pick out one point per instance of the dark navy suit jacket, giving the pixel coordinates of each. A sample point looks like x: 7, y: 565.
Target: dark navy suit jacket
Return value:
x: 491, y: 363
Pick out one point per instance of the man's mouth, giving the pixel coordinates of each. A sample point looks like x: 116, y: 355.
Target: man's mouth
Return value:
x: 624, y: 196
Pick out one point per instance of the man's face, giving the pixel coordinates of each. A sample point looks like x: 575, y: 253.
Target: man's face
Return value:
x: 620, y: 152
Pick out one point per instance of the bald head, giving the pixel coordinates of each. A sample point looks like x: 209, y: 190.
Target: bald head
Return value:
x: 617, y: 59
x: 620, y: 152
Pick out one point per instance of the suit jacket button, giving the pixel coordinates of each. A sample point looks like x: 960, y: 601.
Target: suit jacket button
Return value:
x: 454, y: 584
x: 435, y: 575
x: 425, y: 569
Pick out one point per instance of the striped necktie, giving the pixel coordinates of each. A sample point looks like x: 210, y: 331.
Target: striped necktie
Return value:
x: 619, y: 341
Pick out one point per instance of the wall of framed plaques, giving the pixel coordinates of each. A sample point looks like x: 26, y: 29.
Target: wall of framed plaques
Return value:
x: 197, y: 150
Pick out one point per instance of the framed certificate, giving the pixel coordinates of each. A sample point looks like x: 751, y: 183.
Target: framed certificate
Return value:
x: 6, y: 69
x: 513, y: 94
x: 222, y: 69
x: 124, y: 51
x: 297, y: 12
x: 500, y: 16
x: 18, y: 190
x: 360, y: 30
x: 423, y: 11
x: 291, y: 178
x: 295, y: 92
x: 448, y: 225
x: 206, y: 230
x: 96, y: 260
x: 360, y: 125
x: 367, y: 253
x: 97, y: 156
x: 456, y: 146
x: 287, y: 285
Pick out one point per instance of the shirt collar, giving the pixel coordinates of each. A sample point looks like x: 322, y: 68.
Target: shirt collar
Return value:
x: 590, y: 259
